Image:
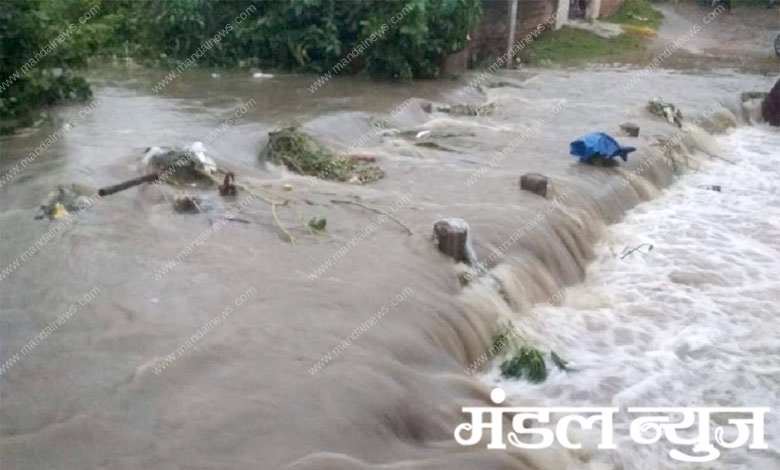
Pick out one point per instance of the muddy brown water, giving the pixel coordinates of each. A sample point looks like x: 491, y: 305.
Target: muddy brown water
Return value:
x: 244, y: 396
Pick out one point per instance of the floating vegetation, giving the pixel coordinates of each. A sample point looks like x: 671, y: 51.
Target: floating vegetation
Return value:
x: 317, y: 224
x: 527, y: 363
x: 300, y: 153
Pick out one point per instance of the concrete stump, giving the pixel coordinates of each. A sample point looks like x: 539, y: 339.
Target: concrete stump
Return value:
x: 452, y: 237
x: 630, y: 129
x: 535, y: 183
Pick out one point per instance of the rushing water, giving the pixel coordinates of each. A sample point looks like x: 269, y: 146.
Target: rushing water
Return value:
x: 91, y: 394
x: 693, y: 323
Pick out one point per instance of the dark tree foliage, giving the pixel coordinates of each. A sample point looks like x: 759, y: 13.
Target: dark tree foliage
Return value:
x: 313, y: 35
x: 40, y: 40
x: 300, y: 35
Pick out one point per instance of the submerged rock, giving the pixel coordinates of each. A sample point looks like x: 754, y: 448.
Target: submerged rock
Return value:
x: 630, y: 129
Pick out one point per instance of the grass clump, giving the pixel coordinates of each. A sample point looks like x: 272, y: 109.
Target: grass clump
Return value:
x: 527, y: 363
x: 633, y: 11
x: 569, y: 46
x: 302, y: 154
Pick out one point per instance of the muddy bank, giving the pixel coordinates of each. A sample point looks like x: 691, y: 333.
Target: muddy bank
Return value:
x: 246, y: 396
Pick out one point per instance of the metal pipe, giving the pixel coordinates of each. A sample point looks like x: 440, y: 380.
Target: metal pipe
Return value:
x: 107, y: 191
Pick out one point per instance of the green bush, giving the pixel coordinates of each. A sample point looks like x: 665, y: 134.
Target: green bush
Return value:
x: 313, y: 35
x: 39, y: 41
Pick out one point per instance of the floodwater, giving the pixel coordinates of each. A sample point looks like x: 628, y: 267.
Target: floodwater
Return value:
x: 692, y: 323
x: 247, y: 392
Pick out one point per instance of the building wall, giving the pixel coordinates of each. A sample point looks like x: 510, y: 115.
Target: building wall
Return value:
x: 489, y: 40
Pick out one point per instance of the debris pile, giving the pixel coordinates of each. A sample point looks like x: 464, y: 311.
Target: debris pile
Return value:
x: 462, y: 109
x: 181, y: 166
x: 300, y: 153
x: 665, y: 110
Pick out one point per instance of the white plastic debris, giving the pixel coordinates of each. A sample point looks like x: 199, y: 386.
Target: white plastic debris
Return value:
x: 198, y: 151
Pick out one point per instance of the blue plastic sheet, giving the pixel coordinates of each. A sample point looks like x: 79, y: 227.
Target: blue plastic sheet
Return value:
x: 598, y: 144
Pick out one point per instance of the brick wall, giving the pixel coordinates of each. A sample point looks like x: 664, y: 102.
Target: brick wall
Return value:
x: 609, y: 7
x: 489, y: 40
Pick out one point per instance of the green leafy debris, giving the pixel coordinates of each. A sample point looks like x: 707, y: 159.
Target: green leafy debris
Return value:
x: 527, y: 363
x: 318, y: 224
x: 302, y: 154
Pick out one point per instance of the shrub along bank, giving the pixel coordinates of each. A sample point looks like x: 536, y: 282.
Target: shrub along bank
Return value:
x: 300, y: 35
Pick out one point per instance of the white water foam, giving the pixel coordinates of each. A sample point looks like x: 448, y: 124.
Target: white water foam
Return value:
x: 693, y: 323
